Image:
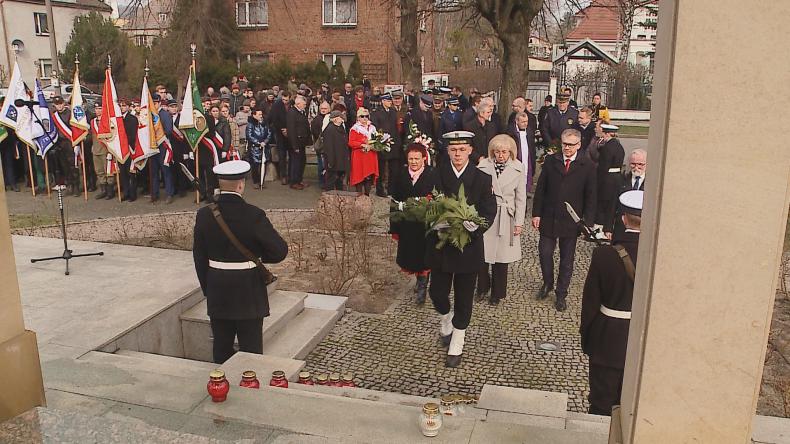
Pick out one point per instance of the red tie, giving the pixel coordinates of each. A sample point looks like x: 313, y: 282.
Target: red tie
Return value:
x: 567, y: 165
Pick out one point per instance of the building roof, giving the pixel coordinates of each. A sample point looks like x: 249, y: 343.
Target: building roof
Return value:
x: 599, y: 21
x: 589, y: 45
x: 94, y: 5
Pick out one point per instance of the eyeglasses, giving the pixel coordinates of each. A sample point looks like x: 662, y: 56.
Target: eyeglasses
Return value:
x: 363, y: 116
x: 570, y: 144
x: 638, y: 164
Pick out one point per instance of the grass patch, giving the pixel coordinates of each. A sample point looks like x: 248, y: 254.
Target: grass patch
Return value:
x: 627, y: 130
x: 30, y: 220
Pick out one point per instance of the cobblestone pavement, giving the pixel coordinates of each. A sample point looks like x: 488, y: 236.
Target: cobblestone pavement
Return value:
x: 399, y: 351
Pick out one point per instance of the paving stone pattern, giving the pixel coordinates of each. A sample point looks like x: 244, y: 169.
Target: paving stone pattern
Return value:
x: 398, y: 351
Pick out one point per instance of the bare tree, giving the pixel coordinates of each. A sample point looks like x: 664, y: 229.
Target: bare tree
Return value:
x: 406, y: 47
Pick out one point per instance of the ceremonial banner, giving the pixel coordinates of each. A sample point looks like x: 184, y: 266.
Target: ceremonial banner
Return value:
x: 149, y: 129
x: 43, y: 129
x: 3, y: 135
x: 111, y: 129
x: 192, y: 119
x: 9, y: 113
x: 78, y: 121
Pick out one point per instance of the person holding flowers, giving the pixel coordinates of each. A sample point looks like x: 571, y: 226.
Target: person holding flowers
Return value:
x: 417, y: 182
x: 502, y: 239
x: 364, y: 160
x: 455, y: 266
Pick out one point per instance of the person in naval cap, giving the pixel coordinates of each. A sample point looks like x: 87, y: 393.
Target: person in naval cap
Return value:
x: 232, y: 241
x: 609, y: 178
x: 606, y: 307
x: 451, y: 267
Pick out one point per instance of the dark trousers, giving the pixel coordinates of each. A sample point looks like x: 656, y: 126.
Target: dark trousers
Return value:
x: 296, y: 162
x: 257, y: 170
x: 249, y: 332
x: 546, y: 247
x: 8, y: 153
x: 87, y: 157
x: 365, y: 185
x: 606, y: 386
x: 157, y: 165
x: 128, y: 180
x: 496, y: 281
x: 334, y: 180
x: 463, y: 285
x: 62, y: 156
x: 208, y: 181
x: 282, y: 151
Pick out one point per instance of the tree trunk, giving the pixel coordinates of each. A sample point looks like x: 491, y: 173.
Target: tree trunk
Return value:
x: 407, y: 48
x: 515, y: 69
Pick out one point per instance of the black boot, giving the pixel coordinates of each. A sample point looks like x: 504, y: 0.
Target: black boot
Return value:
x: 543, y: 293
x: 75, y: 190
x: 560, y: 304
x: 103, y: 193
x: 422, y: 288
x: 111, y: 191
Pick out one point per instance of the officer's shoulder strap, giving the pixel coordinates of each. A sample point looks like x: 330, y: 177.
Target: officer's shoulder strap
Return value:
x: 627, y: 262
x: 268, y: 276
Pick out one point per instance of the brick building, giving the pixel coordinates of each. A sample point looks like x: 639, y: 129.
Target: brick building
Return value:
x: 311, y: 30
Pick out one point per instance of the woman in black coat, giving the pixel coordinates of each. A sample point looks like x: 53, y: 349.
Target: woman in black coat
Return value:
x: 417, y: 180
x: 337, y: 161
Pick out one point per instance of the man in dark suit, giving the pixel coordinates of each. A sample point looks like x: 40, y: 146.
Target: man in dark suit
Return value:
x: 234, y: 287
x: 385, y: 119
x: 519, y: 105
x: 451, y: 267
x: 542, y: 119
x: 523, y: 132
x: 422, y: 116
x: 585, y: 126
x: 634, y: 179
x: 559, y: 119
x: 565, y: 177
x: 450, y: 121
x: 299, y: 136
x: 128, y: 179
x: 277, y: 123
x: 610, y: 178
x: 606, y: 308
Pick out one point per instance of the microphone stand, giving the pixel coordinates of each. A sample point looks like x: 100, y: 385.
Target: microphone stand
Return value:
x: 67, y: 254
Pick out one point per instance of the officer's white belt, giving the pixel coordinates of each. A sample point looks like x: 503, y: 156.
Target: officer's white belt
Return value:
x: 618, y: 314
x: 614, y: 170
x: 231, y: 265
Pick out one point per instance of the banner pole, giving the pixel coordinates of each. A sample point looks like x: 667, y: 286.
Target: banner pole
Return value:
x: 30, y: 169
x: 46, y: 174
x: 84, y: 176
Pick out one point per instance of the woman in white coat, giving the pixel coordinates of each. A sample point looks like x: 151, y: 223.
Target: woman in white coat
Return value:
x: 502, y: 240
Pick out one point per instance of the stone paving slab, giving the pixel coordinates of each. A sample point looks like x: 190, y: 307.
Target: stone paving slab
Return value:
x: 529, y: 402
x: 262, y: 365
x: 495, y: 432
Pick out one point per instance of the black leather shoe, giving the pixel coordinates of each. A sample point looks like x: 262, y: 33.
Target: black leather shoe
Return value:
x: 543, y: 293
x: 445, y: 340
x: 494, y: 301
x: 560, y: 304
x: 452, y: 361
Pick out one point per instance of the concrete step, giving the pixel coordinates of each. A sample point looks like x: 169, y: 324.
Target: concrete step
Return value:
x: 150, y: 363
x: 196, y: 328
x: 262, y: 365
x: 302, y: 334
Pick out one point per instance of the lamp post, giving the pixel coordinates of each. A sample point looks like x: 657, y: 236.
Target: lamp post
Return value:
x: 489, y: 62
x: 456, y: 60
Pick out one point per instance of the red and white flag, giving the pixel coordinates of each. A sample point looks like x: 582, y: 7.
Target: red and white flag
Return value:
x: 150, y: 133
x: 78, y: 121
x: 111, y: 129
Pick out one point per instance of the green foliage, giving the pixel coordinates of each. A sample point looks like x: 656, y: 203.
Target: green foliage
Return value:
x: 354, y: 75
x: 321, y: 72
x: 93, y: 38
x: 215, y: 73
x: 337, y: 76
x: 266, y: 75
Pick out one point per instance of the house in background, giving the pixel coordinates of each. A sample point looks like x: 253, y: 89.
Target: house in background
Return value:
x: 149, y: 20
x: 25, y: 28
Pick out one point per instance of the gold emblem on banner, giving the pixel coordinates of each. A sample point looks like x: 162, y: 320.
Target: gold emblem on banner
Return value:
x: 200, y: 121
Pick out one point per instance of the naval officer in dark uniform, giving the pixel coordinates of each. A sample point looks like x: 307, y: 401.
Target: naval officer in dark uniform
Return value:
x: 606, y: 308
x: 450, y: 267
x: 610, y: 162
x: 233, y: 284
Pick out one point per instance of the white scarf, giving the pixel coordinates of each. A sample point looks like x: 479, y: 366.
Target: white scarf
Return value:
x: 365, y: 131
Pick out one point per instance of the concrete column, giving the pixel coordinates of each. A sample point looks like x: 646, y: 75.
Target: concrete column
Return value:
x: 713, y: 224
x: 20, y: 370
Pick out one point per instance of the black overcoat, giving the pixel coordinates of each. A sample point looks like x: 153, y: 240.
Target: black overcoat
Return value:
x: 604, y: 339
x: 483, y: 132
x: 387, y: 121
x: 610, y: 155
x: 411, y: 235
x: 423, y: 120
x: 235, y: 294
x: 477, y: 187
x: 555, y: 187
x: 336, y: 152
x: 298, y: 129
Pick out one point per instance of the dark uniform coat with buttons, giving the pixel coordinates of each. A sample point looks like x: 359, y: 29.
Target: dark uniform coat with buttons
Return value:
x: 557, y: 122
x: 555, y: 187
x: 235, y: 294
x: 604, y: 339
x: 610, y: 155
x: 477, y: 188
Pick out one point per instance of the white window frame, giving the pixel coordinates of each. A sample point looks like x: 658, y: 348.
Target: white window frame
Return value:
x: 162, y: 17
x: 335, y: 56
x: 246, y: 5
x: 334, y: 21
x: 42, y: 72
x: 38, y: 25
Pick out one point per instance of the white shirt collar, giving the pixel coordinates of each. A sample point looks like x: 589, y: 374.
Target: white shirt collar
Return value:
x: 631, y: 230
x: 572, y: 158
x: 459, y: 173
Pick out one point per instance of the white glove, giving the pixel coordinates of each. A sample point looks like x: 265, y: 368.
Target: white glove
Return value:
x: 400, y: 206
x: 470, y: 226
x: 441, y: 226
x: 109, y: 156
x: 77, y: 150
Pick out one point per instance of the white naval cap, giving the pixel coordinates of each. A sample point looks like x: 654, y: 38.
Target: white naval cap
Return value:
x: 609, y: 128
x: 632, y: 202
x: 459, y: 137
x: 232, y: 170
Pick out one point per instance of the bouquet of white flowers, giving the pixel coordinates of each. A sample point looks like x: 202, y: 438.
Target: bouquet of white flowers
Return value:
x: 380, y: 142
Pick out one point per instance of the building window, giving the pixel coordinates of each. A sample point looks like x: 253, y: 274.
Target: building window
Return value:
x: 45, y: 69
x: 257, y: 58
x: 250, y: 14
x: 162, y: 17
x: 340, y: 12
x: 423, y: 22
x: 141, y: 40
x: 40, y: 20
x: 345, y: 60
